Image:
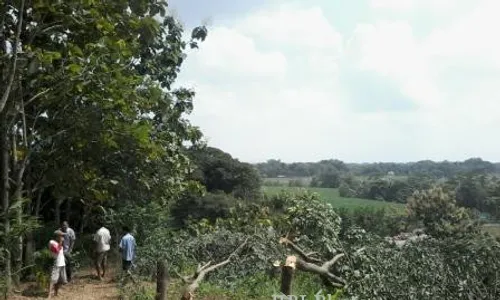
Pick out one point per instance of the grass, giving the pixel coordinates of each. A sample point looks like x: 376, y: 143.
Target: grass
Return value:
x: 493, y: 229
x: 258, y: 286
x: 332, y: 196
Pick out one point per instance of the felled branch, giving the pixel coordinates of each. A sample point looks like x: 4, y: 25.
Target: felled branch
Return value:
x: 305, y: 256
x: 310, y: 264
x: 193, y: 281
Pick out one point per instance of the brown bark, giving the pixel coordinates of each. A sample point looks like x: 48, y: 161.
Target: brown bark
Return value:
x: 309, y: 264
x: 67, y: 210
x: 4, y: 195
x: 17, y: 169
x: 287, y: 273
x: 161, y: 280
x: 57, y: 211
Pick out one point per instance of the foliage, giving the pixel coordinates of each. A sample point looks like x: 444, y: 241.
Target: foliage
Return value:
x: 380, y: 221
x: 304, y: 216
x: 194, y: 207
x: 218, y: 171
x: 142, y: 292
x: 437, y: 211
x: 275, y: 168
x: 312, y: 221
x: 89, y: 116
x: 449, y: 268
x: 327, y: 180
x: 385, y: 188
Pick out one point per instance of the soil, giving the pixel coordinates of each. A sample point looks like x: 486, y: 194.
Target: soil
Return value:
x: 84, y: 286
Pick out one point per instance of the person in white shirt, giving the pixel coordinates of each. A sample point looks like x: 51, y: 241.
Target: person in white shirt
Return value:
x: 58, y: 275
x: 102, y: 239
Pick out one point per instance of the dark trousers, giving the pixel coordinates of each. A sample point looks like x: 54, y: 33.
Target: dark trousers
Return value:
x: 126, y: 264
x: 68, y: 266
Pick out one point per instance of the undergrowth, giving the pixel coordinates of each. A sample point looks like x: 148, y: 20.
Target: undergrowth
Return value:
x: 259, y: 286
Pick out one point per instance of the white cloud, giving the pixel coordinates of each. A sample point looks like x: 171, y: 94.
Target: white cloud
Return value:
x: 268, y: 85
x: 227, y: 50
x: 472, y: 37
x: 390, y: 48
x: 454, y: 123
x: 432, y: 6
x: 398, y: 5
x: 293, y: 25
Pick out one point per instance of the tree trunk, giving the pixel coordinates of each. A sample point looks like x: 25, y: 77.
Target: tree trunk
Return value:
x: 38, y: 204
x: 67, y: 211
x: 13, y: 70
x: 4, y: 195
x: 30, y: 238
x: 18, y: 168
x: 16, y: 197
x: 57, y: 211
x: 161, y: 280
x: 29, y: 251
x: 286, y: 280
x: 29, y: 242
x: 287, y: 272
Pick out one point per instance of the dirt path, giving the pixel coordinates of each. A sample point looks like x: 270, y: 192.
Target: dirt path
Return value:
x: 84, y: 286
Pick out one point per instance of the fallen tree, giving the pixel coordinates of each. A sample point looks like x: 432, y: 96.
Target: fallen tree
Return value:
x: 308, y: 263
x: 193, y: 282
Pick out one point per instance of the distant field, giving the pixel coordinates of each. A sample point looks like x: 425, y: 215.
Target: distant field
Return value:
x: 332, y: 196
x: 493, y: 228
x: 286, y: 180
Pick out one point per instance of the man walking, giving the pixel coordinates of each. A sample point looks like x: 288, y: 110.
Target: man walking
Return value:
x: 58, y: 275
x: 68, y: 243
x: 102, y: 238
x: 127, y: 249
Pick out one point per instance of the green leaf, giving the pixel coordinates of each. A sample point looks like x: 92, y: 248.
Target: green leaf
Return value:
x: 75, y: 68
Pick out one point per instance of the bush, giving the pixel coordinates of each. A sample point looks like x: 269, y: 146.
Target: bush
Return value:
x: 194, y: 207
x: 379, y: 221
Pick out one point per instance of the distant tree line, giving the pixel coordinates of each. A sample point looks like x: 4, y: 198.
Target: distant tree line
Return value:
x: 475, y: 182
x: 275, y: 168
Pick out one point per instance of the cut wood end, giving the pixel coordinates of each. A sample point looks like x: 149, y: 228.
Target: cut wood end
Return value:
x: 291, y: 261
x: 277, y: 263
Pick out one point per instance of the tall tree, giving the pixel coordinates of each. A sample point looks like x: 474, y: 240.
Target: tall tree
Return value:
x: 87, y: 105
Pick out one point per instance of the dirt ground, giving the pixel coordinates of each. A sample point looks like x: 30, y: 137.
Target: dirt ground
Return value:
x: 85, y: 286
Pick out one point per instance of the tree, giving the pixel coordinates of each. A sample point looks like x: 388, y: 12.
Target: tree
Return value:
x: 88, y: 113
x: 437, y: 211
x: 218, y: 171
x: 327, y: 179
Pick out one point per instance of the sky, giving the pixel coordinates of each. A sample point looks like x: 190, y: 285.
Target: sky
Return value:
x: 358, y: 80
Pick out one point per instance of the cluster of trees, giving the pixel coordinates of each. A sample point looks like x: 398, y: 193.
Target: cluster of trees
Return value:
x: 344, y: 252
x: 274, y: 168
x: 225, y: 181
x: 475, y: 182
x: 480, y: 192
x: 92, y: 130
x: 89, y: 121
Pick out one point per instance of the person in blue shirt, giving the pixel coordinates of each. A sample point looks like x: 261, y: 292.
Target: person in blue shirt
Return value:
x: 127, y: 249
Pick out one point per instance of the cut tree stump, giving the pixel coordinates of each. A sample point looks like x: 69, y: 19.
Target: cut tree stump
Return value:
x: 161, y: 280
x: 287, y: 272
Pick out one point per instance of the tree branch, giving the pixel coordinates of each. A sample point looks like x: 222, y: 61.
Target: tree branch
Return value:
x: 13, y: 72
x: 327, y: 265
x: 306, y: 263
x: 334, y: 280
x: 298, y: 250
x: 201, y: 272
